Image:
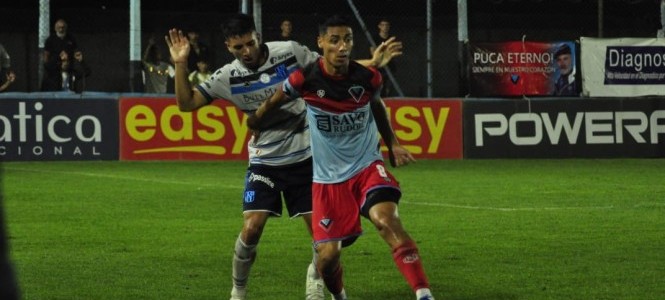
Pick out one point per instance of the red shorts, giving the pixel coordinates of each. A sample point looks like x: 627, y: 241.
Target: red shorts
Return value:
x: 336, y: 206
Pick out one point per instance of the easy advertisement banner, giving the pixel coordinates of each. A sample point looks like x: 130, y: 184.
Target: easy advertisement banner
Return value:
x: 560, y: 128
x: 427, y: 128
x: 520, y: 68
x: 153, y: 128
x: 58, y: 129
x: 623, y: 67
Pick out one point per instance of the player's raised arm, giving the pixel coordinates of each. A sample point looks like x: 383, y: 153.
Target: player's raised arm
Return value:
x: 383, y: 53
x: 266, y: 108
x: 397, y: 154
x: 179, y: 48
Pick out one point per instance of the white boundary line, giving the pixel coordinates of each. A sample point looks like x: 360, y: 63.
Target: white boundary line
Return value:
x: 100, y: 175
x: 509, y: 209
x: 470, y: 207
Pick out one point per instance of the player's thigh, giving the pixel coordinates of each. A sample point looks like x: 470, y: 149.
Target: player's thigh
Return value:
x: 297, y: 182
x: 376, y: 184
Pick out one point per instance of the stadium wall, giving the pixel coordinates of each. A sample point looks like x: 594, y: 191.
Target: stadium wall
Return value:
x: 105, y: 126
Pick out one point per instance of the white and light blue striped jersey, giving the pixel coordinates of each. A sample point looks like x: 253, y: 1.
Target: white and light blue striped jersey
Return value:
x: 285, y: 138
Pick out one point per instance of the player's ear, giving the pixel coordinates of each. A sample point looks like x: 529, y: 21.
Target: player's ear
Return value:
x: 258, y: 37
x: 319, y: 41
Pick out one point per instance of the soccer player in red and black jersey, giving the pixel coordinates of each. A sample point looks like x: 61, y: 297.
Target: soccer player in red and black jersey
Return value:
x: 345, y: 115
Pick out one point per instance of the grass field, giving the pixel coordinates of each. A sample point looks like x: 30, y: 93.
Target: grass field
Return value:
x: 487, y: 229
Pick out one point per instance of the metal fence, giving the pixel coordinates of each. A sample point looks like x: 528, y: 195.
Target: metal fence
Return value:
x: 103, y: 31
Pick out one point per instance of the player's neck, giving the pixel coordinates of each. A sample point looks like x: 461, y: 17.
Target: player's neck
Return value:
x: 335, y: 70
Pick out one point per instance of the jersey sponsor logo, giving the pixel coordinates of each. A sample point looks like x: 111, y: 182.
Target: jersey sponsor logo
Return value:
x: 259, y: 96
x: 275, y: 59
x: 249, y: 196
x: 411, y: 258
x: 256, y: 177
x: 341, y: 123
x: 356, y: 92
x: 321, y: 93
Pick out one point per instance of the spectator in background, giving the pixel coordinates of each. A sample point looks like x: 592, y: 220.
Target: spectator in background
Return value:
x: 565, y: 84
x: 62, y: 41
x: 382, y: 36
x: 286, y: 31
x: 201, y: 74
x: 65, y: 73
x: 80, y: 71
x: 156, y: 70
x: 7, y: 76
x: 198, y: 51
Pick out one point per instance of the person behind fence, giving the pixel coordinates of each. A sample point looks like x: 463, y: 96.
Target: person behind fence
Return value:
x: 381, y: 36
x: 280, y: 164
x: 66, y: 73
x: 350, y: 178
x: 285, y: 31
x: 199, y: 50
x: 202, y: 72
x: 61, y: 41
x: 7, y: 76
x: 565, y: 85
x: 155, y: 69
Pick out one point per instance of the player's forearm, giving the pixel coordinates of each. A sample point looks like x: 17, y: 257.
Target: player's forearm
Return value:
x: 183, y: 90
x: 254, y: 121
x: 368, y: 63
x: 383, y: 123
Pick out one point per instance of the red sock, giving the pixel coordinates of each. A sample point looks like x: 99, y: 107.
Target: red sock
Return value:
x: 408, y: 262
x: 333, y: 280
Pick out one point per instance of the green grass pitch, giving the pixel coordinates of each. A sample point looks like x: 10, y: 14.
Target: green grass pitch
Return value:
x: 487, y: 229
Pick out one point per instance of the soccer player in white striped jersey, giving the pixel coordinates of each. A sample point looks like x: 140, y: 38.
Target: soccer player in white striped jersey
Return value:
x: 280, y: 163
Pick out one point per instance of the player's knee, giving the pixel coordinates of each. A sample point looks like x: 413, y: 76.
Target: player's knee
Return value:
x: 252, y: 230
x: 329, y: 255
x: 384, y: 222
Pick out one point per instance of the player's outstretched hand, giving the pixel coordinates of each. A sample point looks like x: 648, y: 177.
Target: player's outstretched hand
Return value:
x: 178, y: 45
x: 386, y: 51
x: 399, y: 156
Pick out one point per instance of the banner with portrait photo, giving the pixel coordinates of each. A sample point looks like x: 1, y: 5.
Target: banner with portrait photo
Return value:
x: 523, y: 69
x: 623, y: 67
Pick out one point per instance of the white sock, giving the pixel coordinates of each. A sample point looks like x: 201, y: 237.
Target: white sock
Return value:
x: 243, y: 258
x: 315, y: 257
x: 423, y: 293
x: 341, y: 295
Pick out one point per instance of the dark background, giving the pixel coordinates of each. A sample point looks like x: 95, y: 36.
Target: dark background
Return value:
x: 102, y: 30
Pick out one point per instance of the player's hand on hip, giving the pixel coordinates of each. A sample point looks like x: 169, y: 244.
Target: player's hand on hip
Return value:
x: 178, y: 45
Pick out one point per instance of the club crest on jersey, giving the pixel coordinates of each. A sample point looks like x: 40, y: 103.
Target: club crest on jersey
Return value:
x: 321, y: 93
x: 356, y: 92
x: 249, y: 196
x: 325, y: 223
x: 264, y: 78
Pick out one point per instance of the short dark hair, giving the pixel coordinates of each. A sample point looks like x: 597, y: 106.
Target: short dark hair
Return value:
x: 333, y: 21
x: 237, y: 25
x: 564, y: 49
